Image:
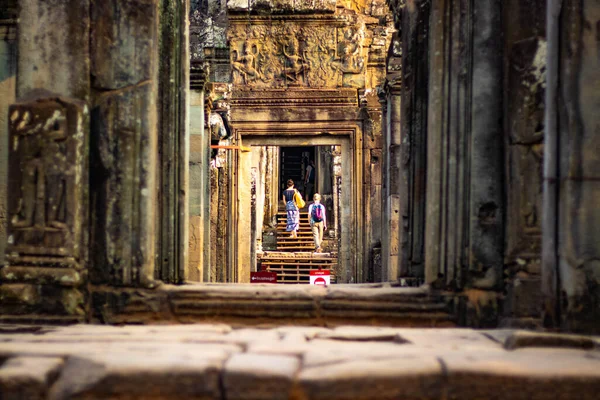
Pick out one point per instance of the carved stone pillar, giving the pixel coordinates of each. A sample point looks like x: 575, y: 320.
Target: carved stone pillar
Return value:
x: 571, y: 225
x: 393, y: 150
x: 173, y: 145
x: 124, y: 59
x: 372, y: 155
x: 48, y: 216
x: 199, y: 200
x: 379, y: 276
x: 525, y: 83
x: 486, y: 149
x: 464, y: 234
x: 414, y: 43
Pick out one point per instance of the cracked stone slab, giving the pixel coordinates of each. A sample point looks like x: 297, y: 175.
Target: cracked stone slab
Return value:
x: 321, y: 352
x: 354, y: 333
x: 395, y: 378
x: 95, y: 330
x: 259, y: 376
x: 297, y: 332
x: 28, y: 377
x: 522, y: 339
x: 448, y: 338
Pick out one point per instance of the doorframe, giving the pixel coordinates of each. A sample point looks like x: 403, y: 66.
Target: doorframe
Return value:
x: 348, y: 136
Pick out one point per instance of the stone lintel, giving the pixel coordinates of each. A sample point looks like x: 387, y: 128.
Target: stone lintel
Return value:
x: 295, y: 97
x: 280, y: 8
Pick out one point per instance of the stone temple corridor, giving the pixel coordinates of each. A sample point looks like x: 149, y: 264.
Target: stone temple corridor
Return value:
x: 145, y: 146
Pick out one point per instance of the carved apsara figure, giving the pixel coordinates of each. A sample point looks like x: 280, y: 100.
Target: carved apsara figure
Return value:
x: 244, y: 67
x: 296, y: 66
x: 44, y: 168
x: 349, y: 60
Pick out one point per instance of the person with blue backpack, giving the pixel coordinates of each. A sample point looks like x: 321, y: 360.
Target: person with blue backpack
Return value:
x: 318, y: 221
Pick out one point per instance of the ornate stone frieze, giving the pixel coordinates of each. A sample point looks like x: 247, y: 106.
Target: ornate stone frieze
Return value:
x: 319, y: 53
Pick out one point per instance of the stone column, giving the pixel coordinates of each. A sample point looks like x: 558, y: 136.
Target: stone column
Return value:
x: 173, y: 146
x: 379, y: 276
x: 571, y: 249
x: 124, y: 58
x: 486, y: 215
x: 414, y: 44
x: 372, y: 154
x: 394, y: 182
x: 199, y: 186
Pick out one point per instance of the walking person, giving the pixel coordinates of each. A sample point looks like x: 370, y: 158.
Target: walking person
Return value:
x: 318, y: 221
x: 291, y: 208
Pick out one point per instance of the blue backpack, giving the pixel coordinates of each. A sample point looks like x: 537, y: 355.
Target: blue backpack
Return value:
x: 317, y: 213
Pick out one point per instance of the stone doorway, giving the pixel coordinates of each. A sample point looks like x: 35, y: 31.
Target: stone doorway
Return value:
x: 255, y: 210
x: 276, y: 251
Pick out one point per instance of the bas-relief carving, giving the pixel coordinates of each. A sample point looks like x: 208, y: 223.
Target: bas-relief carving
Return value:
x: 46, y: 152
x: 527, y: 83
x: 292, y: 54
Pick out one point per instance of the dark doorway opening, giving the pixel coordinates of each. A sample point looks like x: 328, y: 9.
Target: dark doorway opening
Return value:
x: 294, y: 163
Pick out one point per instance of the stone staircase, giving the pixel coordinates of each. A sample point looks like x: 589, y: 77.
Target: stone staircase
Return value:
x: 296, y: 267
x: 295, y: 257
x: 304, y: 241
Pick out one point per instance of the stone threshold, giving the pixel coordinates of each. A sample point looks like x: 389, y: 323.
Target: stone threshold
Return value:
x: 267, y: 304
x: 218, y: 361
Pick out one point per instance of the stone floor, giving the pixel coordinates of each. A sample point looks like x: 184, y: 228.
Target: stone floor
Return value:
x: 216, y: 361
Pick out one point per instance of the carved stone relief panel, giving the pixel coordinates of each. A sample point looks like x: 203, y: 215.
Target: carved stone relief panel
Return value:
x: 321, y: 53
x: 47, y: 205
x: 527, y: 84
x: 47, y: 167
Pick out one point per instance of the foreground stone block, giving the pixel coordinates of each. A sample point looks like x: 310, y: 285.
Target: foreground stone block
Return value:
x: 172, y: 372
x: 523, y: 374
x: 28, y: 378
x: 257, y: 376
